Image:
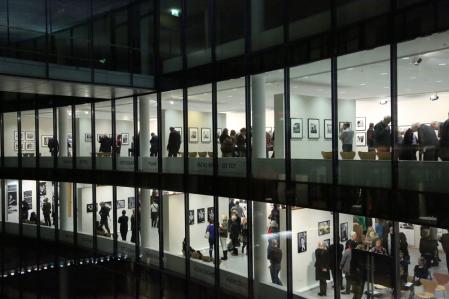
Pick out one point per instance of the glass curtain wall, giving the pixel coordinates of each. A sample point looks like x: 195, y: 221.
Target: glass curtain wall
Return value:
x: 103, y: 132
x: 46, y: 138
x: 128, y: 227
x: 170, y: 35
x: 172, y: 131
x: 150, y: 225
x: 64, y: 143
x: 83, y: 119
x: 11, y: 133
x: 28, y: 126
x: 148, y: 134
x: 197, y: 33
x: 124, y: 134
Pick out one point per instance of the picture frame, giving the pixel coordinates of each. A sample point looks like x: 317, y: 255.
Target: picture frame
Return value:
x: 297, y: 128
x: 45, y: 139
x: 191, y: 217
x: 328, y: 129
x: 16, y: 146
x: 29, y: 136
x: 90, y: 208
x: 131, y: 203
x: 87, y: 137
x: 121, y: 204
x: 313, y: 128
x: 206, y: 135
x: 344, y: 232
x: 360, y: 139
x: 200, y: 215
x: 125, y: 138
x: 302, y: 242
x: 193, y: 135
x: 360, y: 123
x: 324, y: 227
x: 16, y: 136
x: 340, y: 125
x: 210, y: 213
x: 30, y: 146
x: 219, y: 131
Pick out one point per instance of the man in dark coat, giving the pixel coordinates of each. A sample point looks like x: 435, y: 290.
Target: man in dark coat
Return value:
x: 336, y: 249
x: 104, y: 215
x: 46, y: 210
x: 123, y: 221
x: 428, y: 141
x: 174, y: 143
x: 274, y: 255
x: 53, y: 146
x: 445, y: 243
x: 382, y: 132
x: 408, y: 151
x: 444, y: 141
x: 322, y: 267
x: 105, y: 144
x: 154, y: 141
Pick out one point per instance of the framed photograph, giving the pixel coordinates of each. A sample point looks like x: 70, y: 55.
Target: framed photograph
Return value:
x: 341, y: 124
x: 107, y: 204
x: 406, y: 225
x: 302, y: 242
x: 360, y: 123
x: 30, y: 146
x: 28, y: 197
x: 200, y: 215
x: 324, y: 227
x: 344, y: 232
x: 16, y: 146
x: 12, y: 199
x: 205, y: 135
x: 219, y: 131
x: 87, y: 137
x: 191, y: 217
x: 179, y: 129
x: 121, y: 204
x: 328, y: 129
x: 327, y: 242
x: 42, y: 188
x: 131, y: 203
x: 210, y: 213
x: 193, y: 135
x: 90, y: 208
x: 16, y: 136
x: 269, y: 130
x: 360, y: 138
x: 297, y: 128
x: 45, y: 139
x: 313, y: 125
x: 29, y: 136
x: 125, y: 138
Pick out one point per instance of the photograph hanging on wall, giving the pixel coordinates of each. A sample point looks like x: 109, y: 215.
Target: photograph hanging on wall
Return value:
x: 108, y: 204
x: 193, y: 135
x: 210, y: 213
x: 16, y: 136
x: 45, y: 139
x: 121, y: 204
x: 302, y: 242
x: 191, y: 217
x: 29, y: 136
x: 42, y: 188
x: 328, y: 129
x: 269, y: 130
x: 200, y: 215
x: 327, y: 242
x: 360, y: 138
x: 16, y: 146
x: 30, y: 146
x: 406, y: 225
x: 205, y: 135
x: 360, y: 123
x: 131, y: 203
x: 125, y: 138
x: 324, y: 227
x: 87, y: 137
x: 297, y: 128
x: 28, y: 198
x: 313, y: 128
x: 344, y: 232
x: 342, y: 123
x: 90, y: 208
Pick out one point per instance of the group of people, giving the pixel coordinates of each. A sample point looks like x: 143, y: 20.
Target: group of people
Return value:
x: 46, y: 212
x: 233, y: 144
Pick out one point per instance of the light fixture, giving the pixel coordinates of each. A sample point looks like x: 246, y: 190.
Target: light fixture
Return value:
x: 383, y: 102
x: 434, y: 97
x: 412, y: 78
x: 383, y: 74
x: 350, y: 69
x: 363, y: 84
x: 405, y: 58
x: 438, y: 81
x: 175, y: 12
x: 86, y: 112
x: 442, y: 64
x: 171, y: 102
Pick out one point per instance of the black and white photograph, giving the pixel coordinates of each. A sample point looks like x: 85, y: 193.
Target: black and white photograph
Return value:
x: 30, y: 146
x: 210, y: 213
x: 297, y: 131
x: 200, y: 215
x: 302, y: 242
x: 42, y: 188
x: 28, y: 197
x: 205, y: 135
x: 219, y: 131
x: 16, y: 136
x: 121, y: 204
x: 327, y: 242
x: 90, y: 208
x: 360, y: 138
x: 324, y: 227
x: 16, y: 146
x: 406, y: 225
x: 193, y: 135
x: 344, y: 232
x: 29, y: 136
x: 107, y: 204
x: 45, y: 139
x: 360, y: 123
x: 131, y: 203
x: 87, y: 137
x: 328, y: 129
x: 342, y: 123
x: 191, y: 217
x: 12, y: 198
x: 313, y: 125
x: 125, y: 138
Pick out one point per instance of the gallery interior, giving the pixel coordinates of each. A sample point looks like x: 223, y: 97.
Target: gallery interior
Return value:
x: 271, y: 154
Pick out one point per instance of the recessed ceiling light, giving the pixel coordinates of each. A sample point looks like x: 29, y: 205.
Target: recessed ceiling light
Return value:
x: 383, y: 74
x: 175, y: 12
x: 350, y: 69
x: 362, y: 84
x: 171, y: 102
x: 438, y: 81
x: 383, y: 101
x: 295, y: 87
x: 229, y: 96
x: 305, y: 77
x: 386, y: 87
x: 442, y: 64
x: 405, y: 58
x: 86, y: 112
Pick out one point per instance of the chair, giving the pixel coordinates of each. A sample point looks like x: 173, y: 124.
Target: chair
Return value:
x: 193, y: 154
x: 347, y: 155
x: 210, y: 154
x: 367, y: 155
x: 384, y: 155
x: 441, y: 278
x: 429, y: 289
x: 326, y: 155
x: 202, y: 154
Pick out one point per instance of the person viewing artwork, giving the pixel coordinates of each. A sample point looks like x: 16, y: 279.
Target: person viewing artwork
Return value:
x: 382, y: 132
x: 241, y: 143
x: 370, y: 138
x: 174, y: 142
x: 347, y: 137
x: 123, y: 221
x: 105, y: 144
x: 226, y: 145
x: 427, y: 140
x: 274, y: 255
x: 154, y: 141
x: 322, y: 267
x: 104, y: 215
x: 46, y: 210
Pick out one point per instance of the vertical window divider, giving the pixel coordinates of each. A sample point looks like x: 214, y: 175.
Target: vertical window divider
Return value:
x: 55, y: 134
x: 136, y: 135
x: 2, y: 139
x: 114, y: 137
x: 38, y: 211
x: 94, y: 138
x: 3, y: 200
x: 114, y: 220
x: 74, y: 136
x: 36, y: 134
x: 75, y: 217
x: 19, y: 210
x: 56, y: 214
x: 19, y: 139
x: 94, y: 218
x: 137, y: 220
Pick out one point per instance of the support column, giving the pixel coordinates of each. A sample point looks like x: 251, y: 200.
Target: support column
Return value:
x: 279, y: 126
x: 145, y: 219
x: 63, y: 113
x: 144, y: 120
x: 257, y: 16
x: 258, y: 115
x: 261, y: 271
x: 65, y: 207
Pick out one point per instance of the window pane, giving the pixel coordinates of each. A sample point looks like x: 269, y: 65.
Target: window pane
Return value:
x: 83, y: 119
x: 150, y: 225
x: 172, y: 125
x: 127, y: 228
x: 28, y: 126
x: 65, y: 136
x: 103, y: 131
x: 124, y: 130
x: 170, y: 35
x: 148, y: 134
x: 12, y: 148
x: 45, y: 135
x: 197, y: 33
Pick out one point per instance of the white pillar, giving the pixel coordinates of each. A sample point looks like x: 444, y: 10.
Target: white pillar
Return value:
x: 144, y: 121
x: 260, y: 242
x: 279, y: 126
x: 65, y: 207
x: 258, y: 115
x: 145, y: 220
x: 62, y: 130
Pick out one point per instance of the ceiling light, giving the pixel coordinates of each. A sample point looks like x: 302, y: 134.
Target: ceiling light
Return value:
x: 295, y: 87
x: 405, y: 58
x: 383, y: 102
x: 386, y: 87
x: 383, y: 74
x: 438, y: 81
x: 442, y: 64
x: 86, y: 112
x: 434, y: 97
x: 412, y: 78
x: 229, y: 96
x: 175, y: 12
x: 305, y: 77
x: 362, y: 84
x: 171, y: 102
x: 350, y: 69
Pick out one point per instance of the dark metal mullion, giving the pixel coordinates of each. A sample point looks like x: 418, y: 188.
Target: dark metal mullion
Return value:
x: 114, y: 220
x: 55, y: 135
x: 114, y: 134
x: 75, y: 217
x: 74, y: 136
x: 91, y: 45
x: 136, y: 135
x: 7, y: 23
x: 56, y: 213
x: 94, y: 218
x: 159, y: 134
x: 94, y: 138
x: 2, y: 139
x: 3, y: 200
x: 137, y: 222
x: 19, y: 210
x: 36, y: 133
x: 19, y: 139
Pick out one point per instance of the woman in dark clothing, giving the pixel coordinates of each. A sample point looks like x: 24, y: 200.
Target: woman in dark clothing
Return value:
x: 420, y: 271
x: 234, y: 231
x: 226, y: 145
x: 405, y: 256
x: 408, y: 150
x: 322, y: 267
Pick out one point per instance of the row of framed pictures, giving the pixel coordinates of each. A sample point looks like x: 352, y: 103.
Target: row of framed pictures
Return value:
x: 125, y: 137
x: 121, y: 204
x: 24, y: 136
x: 201, y: 215
x: 313, y: 128
x: 323, y: 229
x: 206, y: 136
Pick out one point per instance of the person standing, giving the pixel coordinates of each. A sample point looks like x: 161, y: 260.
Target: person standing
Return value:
x: 46, y: 210
x: 154, y: 212
x: 427, y: 140
x: 223, y: 230
x: 345, y: 266
x: 226, y: 145
x: 123, y: 221
x: 322, y: 267
x: 347, y: 137
x: 370, y: 138
x: 154, y: 141
x: 174, y: 143
x: 378, y: 248
x: 444, y: 141
x: 234, y: 232
x: 336, y: 250
x: 53, y: 146
x: 409, y: 144
x: 238, y: 208
x: 445, y: 243
x: 244, y: 235
x: 210, y: 233
x: 241, y: 142
x: 104, y: 215
x: 382, y: 135
x: 118, y: 145
x: 274, y: 255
